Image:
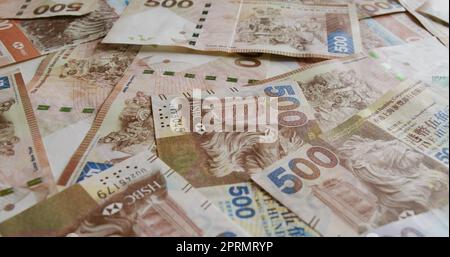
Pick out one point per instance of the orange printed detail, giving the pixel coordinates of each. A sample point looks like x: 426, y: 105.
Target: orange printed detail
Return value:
x: 19, y: 47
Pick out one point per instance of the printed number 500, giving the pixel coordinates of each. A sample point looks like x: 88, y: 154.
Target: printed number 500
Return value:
x: 317, y: 157
x: 340, y: 44
x: 170, y: 3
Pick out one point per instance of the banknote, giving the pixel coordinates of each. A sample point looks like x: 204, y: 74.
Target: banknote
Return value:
x: 438, y: 29
x: 338, y: 89
x: 390, y: 30
x: 124, y: 126
x: 139, y: 197
x: 427, y: 224
x: 256, y: 211
x: 417, y: 116
x: 68, y: 90
x: 366, y: 8
x: 279, y: 27
x: 30, y: 9
x: 22, y: 40
x: 425, y: 64
x: 436, y: 8
x: 25, y: 176
x: 366, y: 173
x: 238, y: 69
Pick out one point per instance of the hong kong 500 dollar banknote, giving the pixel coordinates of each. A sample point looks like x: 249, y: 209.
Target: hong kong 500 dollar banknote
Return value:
x: 139, y: 197
x: 21, y: 40
x: 388, y: 162
x: 25, y: 176
x: 280, y: 27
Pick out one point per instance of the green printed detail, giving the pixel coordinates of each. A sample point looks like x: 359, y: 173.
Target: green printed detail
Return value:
x: 374, y: 55
x: 65, y: 109
x: 43, y: 107
x: 192, y: 76
x: 6, y: 192
x: 441, y: 81
x: 34, y: 182
x: 88, y: 110
x: 234, y: 80
x: 400, y: 77
x: 169, y: 73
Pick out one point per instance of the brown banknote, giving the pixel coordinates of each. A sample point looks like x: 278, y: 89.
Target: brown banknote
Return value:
x: 68, y: 90
x: 124, y: 125
x: 437, y: 28
x: 338, y: 89
x: 280, y: 27
x: 390, y: 30
x: 388, y: 162
x: 217, y: 67
x: 25, y: 176
x: 29, y: 9
x: 139, y: 197
x: 366, y: 8
x: 22, y: 40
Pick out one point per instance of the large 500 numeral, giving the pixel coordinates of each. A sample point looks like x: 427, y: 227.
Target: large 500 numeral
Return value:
x: 291, y: 184
x: 57, y: 8
x: 170, y: 3
x: 290, y: 117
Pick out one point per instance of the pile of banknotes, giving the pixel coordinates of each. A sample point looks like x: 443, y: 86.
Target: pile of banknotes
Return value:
x: 267, y: 118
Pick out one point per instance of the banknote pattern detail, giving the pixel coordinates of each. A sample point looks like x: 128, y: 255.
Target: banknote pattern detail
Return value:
x: 22, y: 40
x: 25, y: 176
x: 279, y: 27
x: 27, y: 9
